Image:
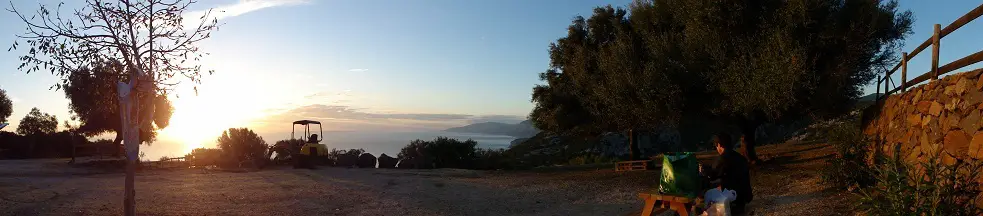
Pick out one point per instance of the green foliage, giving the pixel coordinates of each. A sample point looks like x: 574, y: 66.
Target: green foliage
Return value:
x: 849, y: 168
x: 742, y: 61
x: 242, y: 144
x: 284, y: 149
x: 94, y: 100
x: 205, y: 157
x: 37, y: 123
x: 927, y: 188
x: 492, y: 159
x: 441, y: 152
x: 6, y: 106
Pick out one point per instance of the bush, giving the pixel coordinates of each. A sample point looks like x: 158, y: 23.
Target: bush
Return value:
x: 492, y: 159
x: 927, y: 188
x: 441, y: 152
x: 242, y: 145
x: 343, y: 158
x: 285, y: 149
x: 849, y: 168
x: 204, y: 157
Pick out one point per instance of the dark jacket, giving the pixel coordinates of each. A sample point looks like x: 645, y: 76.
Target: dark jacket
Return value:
x: 731, y: 168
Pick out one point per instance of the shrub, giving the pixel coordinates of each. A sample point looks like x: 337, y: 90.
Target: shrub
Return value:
x: 849, y: 168
x: 204, y: 157
x: 441, y: 152
x: 343, y: 158
x: 491, y: 159
x: 926, y: 188
x: 242, y: 145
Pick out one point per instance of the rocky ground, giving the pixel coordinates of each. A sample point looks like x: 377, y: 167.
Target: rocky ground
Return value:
x: 787, y: 185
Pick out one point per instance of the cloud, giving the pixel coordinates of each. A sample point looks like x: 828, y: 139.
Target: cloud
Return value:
x: 239, y: 8
x: 358, y: 70
x: 338, y: 117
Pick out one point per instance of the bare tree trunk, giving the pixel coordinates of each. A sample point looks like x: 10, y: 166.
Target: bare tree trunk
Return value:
x: 72, y: 134
x: 118, y: 143
x: 748, y: 129
x: 128, y: 100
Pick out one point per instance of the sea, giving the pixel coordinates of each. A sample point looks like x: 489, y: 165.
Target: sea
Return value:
x: 375, y: 142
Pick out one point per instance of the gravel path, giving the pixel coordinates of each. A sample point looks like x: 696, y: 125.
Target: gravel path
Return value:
x: 48, y: 187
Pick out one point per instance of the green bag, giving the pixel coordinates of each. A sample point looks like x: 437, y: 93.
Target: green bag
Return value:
x: 680, y: 174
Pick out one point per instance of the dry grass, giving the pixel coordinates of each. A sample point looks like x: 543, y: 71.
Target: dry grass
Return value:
x: 787, y: 184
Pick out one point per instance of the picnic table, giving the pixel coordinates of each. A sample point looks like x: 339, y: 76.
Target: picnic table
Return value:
x: 682, y: 205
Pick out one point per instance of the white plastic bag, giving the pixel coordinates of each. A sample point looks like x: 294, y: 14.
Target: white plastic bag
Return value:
x: 718, y: 202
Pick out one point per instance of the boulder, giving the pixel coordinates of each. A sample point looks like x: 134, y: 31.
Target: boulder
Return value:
x: 914, y: 120
x: 366, y: 160
x: 976, y: 146
x: 971, y: 121
x: 935, y: 109
x: 961, y: 85
x: 956, y: 142
x: 387, y: 162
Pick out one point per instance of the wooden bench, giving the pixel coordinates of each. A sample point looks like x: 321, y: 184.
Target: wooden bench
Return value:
x: 631, y: 165
x: 681, y: 205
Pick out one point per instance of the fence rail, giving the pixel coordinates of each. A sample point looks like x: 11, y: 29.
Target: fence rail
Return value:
x: 935, y: 71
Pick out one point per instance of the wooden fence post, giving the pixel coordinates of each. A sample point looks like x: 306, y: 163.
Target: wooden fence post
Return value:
x: 887, y: 81
x: 904, y: 71
x: 935, y: 51
x: 877, y: 96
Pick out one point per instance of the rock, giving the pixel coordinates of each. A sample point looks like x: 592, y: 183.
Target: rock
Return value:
x: 387, y: 162
x: 918, y: 96
x: 956, y: 142
x: 914, y: 120
x: 979, y: 83
x: 976, y: 146
x: 923, y: 106
x: 973, y: 97
x: 935, y: 109
x: 948, y: 159
x: 961, y: 86
x: 971, y: 121
x: 925, y: 120
x: 366, y: 160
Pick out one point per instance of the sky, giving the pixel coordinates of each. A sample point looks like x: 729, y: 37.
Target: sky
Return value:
x: 381, y: 65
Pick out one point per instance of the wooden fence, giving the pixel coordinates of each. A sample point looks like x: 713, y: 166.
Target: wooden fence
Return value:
x: 935, y: 71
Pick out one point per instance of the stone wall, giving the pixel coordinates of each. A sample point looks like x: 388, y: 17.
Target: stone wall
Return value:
x: 941, y: 116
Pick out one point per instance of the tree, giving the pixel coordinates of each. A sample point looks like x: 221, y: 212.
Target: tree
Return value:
x: 242, y: 145
x: 37, y: 123
x: 93, y: 99
x: 149, y: 37
x: 744, y: 62
x: 6, y: 106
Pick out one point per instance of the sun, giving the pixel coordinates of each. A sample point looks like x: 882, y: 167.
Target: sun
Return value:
x: 199, y: 120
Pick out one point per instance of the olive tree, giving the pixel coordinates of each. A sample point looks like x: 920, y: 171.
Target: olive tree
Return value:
x: 151, y: 38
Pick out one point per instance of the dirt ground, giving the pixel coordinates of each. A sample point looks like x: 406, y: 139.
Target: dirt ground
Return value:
x: 787, y: 185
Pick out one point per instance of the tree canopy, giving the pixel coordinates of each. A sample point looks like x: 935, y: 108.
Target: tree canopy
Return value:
x: 36, y: 123
x: 94, y: 100
x: 746, y: 61
x: 6, y: 106
x: 242, y: 144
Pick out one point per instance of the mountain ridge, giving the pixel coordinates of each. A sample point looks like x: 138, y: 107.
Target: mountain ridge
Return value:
x: 523, y: 129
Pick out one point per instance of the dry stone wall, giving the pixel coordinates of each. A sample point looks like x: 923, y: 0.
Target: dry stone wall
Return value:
x: 940, y: 117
